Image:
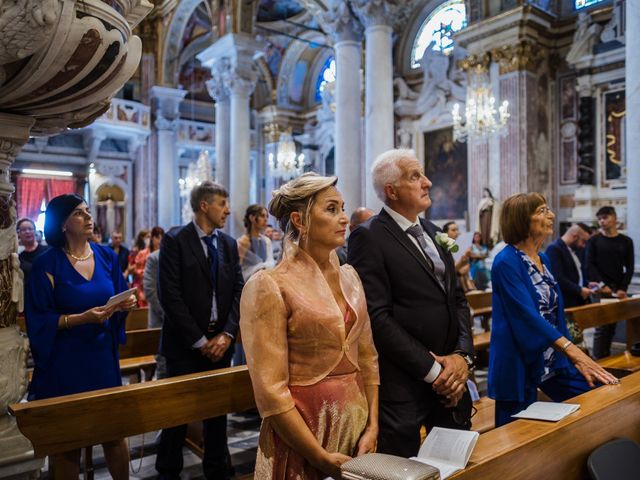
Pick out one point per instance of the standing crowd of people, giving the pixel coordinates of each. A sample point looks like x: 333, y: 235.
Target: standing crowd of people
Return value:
x: 350, y: 348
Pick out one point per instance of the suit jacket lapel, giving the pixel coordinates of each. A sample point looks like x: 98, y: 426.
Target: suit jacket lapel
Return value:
x: 196, y: 247
x: 403, y: 239
x: 431, y: 231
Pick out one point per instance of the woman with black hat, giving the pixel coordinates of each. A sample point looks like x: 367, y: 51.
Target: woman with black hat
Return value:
x: 74, y: 337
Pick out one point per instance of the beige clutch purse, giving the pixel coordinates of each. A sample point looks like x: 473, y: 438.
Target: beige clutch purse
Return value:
x: 379, y: 466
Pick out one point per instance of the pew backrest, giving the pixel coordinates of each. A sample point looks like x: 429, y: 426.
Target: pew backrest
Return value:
x: 61, y: 424
x: 141, y: 343
x: 598, y: 314
x: 138, y: 319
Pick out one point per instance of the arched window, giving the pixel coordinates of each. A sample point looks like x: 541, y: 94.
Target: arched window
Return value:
x: 443, y: 22
x: 327, y: 75
x: 585, y: 3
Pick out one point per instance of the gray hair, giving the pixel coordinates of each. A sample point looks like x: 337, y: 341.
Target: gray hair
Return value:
x: 205, y: 192
x: 385, y: 169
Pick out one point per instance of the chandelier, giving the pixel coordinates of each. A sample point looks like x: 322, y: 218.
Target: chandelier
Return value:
x: 286, y: 164
x: 197, y: 172
x: 480, y: 112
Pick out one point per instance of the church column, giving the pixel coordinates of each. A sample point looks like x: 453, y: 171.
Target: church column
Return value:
x: 167, y: 115
x: 632, y: 73
x: 220, y: 93
x: 346, y: 34
x: 376, y: 17
x: 525, y: 151
x: 239, y: 52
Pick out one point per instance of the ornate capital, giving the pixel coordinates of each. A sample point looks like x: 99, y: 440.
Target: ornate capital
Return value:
x: 340, y: 23
x: 477, y: 62
x: 167, y: 102
x: 523, y: 56
x: 163, y: 123
x: 241, y: 86
x: 375, y: 12
x: 217, y: 88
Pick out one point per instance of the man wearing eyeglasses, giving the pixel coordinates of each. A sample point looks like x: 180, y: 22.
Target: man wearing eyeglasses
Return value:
x: 32, y: 249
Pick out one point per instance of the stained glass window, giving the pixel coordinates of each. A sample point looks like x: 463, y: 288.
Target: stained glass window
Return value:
x: 443, y: 22
x: 586, y: 3
x: 327, y: 75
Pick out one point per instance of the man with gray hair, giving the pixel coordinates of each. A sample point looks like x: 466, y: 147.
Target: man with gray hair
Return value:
x: 199, y: 286
x: 419, y: 316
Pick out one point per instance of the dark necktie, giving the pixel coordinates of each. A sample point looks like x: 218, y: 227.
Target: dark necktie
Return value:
x: 432, y: 256
x: 213, y: 258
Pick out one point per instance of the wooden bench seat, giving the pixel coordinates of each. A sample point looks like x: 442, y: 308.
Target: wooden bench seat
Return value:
x: 136, y: 365
x: 622, y: 364
x: 485, y: 416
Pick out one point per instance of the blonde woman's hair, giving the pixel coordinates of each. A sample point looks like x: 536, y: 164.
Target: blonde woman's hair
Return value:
x: 298, y: 195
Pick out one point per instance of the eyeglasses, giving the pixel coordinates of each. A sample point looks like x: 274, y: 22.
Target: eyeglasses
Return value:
x: 543, y: 211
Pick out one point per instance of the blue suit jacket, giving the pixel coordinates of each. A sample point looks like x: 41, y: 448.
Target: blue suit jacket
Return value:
x: 565, y: 272
x: 519, y: 334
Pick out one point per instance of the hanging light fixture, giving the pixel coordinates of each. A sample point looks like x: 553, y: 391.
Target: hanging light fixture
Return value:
x: 480, y: 112
x: 197, y: 172
x: 286, y: 164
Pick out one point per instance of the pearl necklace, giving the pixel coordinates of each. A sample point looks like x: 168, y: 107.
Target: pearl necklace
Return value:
x: 80, y: 259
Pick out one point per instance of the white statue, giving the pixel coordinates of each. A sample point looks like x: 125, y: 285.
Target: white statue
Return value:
x: 584, y: 38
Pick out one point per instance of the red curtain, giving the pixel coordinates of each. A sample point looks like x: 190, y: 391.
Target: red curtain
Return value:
x: 56, y: 186
x: 31, y: 192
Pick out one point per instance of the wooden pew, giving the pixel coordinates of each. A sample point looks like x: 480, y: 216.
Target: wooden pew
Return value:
x: 480, y: 303
x: 481, y: 341
x: 530, y: 450
x: 138, y: 354
x: 138, y: 319
x: 598, y: 314
x: 61, y: 424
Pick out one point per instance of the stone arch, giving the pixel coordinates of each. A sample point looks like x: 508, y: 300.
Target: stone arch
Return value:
x: 172, y: 57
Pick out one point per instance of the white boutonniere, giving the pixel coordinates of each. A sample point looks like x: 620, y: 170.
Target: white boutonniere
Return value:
x: 446, y: 242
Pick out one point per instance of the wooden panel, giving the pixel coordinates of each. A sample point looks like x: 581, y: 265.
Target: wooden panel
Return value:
x: 531, y: 450
x: 485, y: 416
x: 479, y: 300
x: 138, y: 319
x: 481, y: 341
x: 133, y: 364
x: 622, y: 364
x: 141, y: 343
x: 598, y: 314
x: 60, y: 424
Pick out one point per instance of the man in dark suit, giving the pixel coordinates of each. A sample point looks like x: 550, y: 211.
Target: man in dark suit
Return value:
x: 420, y: 318
x: 122, y: 251
x: 566, y: 266
x: 199, y: 286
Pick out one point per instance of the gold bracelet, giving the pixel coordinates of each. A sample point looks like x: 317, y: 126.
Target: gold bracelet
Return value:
x: 565, y: 346
x: 66, y: 322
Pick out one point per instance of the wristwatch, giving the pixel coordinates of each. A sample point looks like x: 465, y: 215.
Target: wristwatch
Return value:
x: 468, y: 360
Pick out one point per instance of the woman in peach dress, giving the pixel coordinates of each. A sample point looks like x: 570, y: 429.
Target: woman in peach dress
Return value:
x: 308, y: 341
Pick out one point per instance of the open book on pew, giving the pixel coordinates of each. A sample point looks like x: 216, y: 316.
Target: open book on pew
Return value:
x: 448, y: 450
x: 549, y: 411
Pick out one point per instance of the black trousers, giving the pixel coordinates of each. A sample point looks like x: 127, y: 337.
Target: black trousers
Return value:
x: 400, y: 421
x: 215, y: 463
x: 602, y: 338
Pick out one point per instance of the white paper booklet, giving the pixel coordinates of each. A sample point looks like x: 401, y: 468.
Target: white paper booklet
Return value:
x: 549, y: 411
x: 448, y: 450
x: 120, y: 297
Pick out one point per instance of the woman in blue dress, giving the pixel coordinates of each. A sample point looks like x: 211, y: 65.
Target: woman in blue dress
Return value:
x: 530, y: 344
x: 74, y: 338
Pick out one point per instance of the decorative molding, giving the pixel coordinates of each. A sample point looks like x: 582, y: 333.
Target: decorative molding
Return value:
x: 376, y: 12
x: 584, y: 38
x: 523, y: 56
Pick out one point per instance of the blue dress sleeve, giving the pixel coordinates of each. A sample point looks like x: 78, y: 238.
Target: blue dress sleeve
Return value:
x: 531, y: 332
x: 40, y: 312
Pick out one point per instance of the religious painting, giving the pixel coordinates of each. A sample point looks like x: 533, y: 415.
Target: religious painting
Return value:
x: 615, y: 133
x: 446, y: 167
x: 568, y: 107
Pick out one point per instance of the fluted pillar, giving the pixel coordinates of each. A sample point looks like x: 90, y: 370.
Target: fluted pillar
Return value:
x: 376, y: 16
x: 346, y: 34
x: 220, y: 94
x: 167, y: 116
x: 232, y: 59
x: 632, y: 70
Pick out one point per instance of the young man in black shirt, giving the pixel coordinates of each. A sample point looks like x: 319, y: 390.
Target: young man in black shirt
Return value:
x: 610, y: 261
